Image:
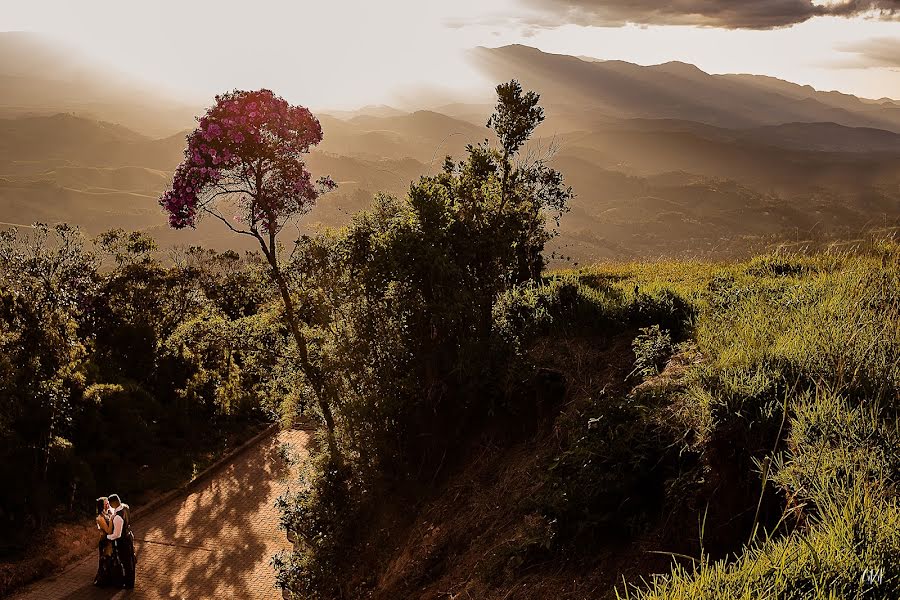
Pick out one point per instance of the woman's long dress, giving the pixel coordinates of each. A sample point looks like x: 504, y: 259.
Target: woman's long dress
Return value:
x: 106, y: 568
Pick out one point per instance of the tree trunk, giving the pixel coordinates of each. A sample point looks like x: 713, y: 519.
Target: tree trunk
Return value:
x: 503, y: 182
x: 311, y: 373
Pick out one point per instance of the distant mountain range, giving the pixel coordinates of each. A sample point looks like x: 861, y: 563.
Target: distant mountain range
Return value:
x: 38, y: 77
x: 665, y: 160
x: 583, y: 91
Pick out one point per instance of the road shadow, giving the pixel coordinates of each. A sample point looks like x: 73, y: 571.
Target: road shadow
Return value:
x: 210, y: 543
x: 91, y: 592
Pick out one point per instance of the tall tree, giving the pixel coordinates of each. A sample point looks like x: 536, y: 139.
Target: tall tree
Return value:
x: 244, y: 165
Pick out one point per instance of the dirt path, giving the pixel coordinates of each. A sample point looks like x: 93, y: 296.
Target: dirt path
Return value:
x: 215, y: 542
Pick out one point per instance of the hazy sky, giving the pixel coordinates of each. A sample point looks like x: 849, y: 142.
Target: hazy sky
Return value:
x: 345, y: 53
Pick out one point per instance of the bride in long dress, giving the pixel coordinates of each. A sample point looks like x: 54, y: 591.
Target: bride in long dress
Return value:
x: 104, y: 524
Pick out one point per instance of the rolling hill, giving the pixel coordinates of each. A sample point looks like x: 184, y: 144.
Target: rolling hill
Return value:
x: 665, y: 160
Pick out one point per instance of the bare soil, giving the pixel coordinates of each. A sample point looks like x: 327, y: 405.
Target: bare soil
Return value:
x: 475, y: 533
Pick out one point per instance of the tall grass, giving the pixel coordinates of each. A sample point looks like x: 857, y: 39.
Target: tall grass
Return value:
x: 801, y: 381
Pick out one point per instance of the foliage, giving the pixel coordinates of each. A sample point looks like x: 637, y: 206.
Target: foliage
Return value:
x: 797, y: 390
x: 244, y: 166
x: 45, y: 278
x: 834, y: 445
x: 111, y: 360
x: 407, y: 292
x: 404, y: 299
x: 606, y: 481
x: 850, y: 551
x: 651, y: 348
x: 248, y: 148
x: 314, y: 517
x: 772, y: 433
x: 841, y: 470
x: 425, y: 321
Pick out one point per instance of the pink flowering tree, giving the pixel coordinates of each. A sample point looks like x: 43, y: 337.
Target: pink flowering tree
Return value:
x: 244, y: 166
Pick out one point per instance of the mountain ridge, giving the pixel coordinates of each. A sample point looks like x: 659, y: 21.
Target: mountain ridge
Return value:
x: 655, y: 183
x: 677, y: 90
x: 39, y: 77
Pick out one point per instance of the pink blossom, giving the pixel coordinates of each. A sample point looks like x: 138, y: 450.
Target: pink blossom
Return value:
x: 228, y: 146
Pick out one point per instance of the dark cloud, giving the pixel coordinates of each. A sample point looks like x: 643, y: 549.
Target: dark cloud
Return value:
x: 730, y: 14
x: 877, y: 52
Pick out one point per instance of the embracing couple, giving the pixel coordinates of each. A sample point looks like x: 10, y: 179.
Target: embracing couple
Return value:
x: 116, y: 544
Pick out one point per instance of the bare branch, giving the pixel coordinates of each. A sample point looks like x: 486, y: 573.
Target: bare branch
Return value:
x: 227, y: 224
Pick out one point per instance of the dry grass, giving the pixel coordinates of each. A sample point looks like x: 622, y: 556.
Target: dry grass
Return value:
x: 58, y: 547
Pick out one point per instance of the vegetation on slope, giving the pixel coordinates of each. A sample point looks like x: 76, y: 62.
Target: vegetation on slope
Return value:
x: 800, y: 378
x: 725, y: 423
x: 751, y: 439
x: 502, y: 432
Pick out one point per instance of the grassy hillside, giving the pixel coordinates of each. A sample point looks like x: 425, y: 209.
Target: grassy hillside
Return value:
x: 730, y: 426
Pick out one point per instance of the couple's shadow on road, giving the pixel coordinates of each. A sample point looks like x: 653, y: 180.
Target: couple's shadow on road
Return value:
x: 91, y: 592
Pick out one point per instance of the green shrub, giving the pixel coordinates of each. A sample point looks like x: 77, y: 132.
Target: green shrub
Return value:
x: 315, y: 519
x: 609, y: 481
x: 651, y: 347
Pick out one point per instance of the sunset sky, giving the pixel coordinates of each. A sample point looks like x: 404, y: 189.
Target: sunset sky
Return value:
x: 346, y: 53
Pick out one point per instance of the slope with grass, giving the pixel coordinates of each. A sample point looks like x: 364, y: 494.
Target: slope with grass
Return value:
x: 729, y: 428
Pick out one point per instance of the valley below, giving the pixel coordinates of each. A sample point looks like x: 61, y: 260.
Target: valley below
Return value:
x: 668, y: 161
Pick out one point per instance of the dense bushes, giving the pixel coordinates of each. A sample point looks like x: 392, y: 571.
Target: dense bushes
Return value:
x: 607, y: 481
x: 405, y: 294
x: 118, y: 372
x: 316, y: 516
x: 403, y: 325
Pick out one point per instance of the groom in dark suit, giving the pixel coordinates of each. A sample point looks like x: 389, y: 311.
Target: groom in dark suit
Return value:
x: 123, y: 539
